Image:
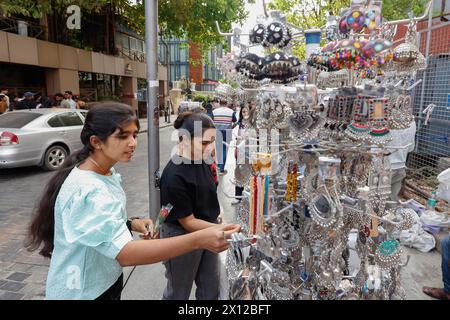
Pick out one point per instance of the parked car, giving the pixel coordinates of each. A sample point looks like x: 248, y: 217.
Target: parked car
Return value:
x: 41, y: 137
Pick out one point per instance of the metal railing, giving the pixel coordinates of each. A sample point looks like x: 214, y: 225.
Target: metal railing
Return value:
x: 133, y: 55
x: 22, y: 27
x: 432, y: 150
x: 205, y: 87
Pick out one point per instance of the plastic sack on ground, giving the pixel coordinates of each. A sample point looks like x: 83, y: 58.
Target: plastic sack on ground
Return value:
x: 436, y: 219
x: 443, y: 191
x: 416, y: 237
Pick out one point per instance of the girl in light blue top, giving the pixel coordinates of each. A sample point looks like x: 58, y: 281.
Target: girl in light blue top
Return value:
x: 82, y: 223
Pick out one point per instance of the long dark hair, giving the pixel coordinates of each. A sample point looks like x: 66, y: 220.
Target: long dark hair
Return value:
x: 102, y: 120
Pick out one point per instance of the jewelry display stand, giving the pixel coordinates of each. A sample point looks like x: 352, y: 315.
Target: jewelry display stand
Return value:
x: 318, y: 178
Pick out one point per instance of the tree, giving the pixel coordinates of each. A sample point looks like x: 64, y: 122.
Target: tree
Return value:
x: 191, y: 19
x: 36, y: 9
x: 309, y: 14
x: 196, y: 19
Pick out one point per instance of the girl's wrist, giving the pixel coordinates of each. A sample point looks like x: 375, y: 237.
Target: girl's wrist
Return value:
x: 130, y: 223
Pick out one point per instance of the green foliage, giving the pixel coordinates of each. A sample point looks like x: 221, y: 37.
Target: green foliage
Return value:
x: 233, y: 84
x: 313, y: 14
x: 37, y: 9
x: 308, y: 15
x: 399, y: 9
x: 196, y: 20
x: 203, y: 98
x: 191, y: 19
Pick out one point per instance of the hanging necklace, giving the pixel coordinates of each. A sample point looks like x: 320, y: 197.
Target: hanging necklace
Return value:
x: 98, y: 166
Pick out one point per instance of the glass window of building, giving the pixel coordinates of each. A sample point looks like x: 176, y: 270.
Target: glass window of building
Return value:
x: 125, y: 41
x: 133, y: 43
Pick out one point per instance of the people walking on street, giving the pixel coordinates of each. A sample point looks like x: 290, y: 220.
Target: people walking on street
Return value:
x: 80, y: 103
x: 68, y: 102
x: 210, y: 107
x: 167, y: 109
x: 188, y: 184
x: 43, y: 102
x: 240, y: 149
x: 224, y: 118
x: 442, y: 293
x: 3, y: 104
x: 82, y: 222
x: 15, y: 101
x: 27, y: 103
x: 5, y: 92
x: 57, y: 99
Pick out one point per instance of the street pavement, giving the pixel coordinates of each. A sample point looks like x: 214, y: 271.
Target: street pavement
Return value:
x: 23, y: 274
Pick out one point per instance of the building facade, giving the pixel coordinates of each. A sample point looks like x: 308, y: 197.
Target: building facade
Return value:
x: 29, y: 61
x: 186, y: 62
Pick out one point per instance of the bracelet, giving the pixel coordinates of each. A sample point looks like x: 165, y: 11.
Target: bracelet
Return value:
x: 129, y: 222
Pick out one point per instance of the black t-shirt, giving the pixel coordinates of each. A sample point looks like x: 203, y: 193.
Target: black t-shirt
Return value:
x: 191, y: 189
x: 26, y: 104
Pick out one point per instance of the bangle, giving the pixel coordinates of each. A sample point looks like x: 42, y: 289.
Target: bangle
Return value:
x: 128, y: 223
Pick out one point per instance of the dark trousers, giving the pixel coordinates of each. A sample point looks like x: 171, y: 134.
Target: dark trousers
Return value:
x: 221, y: 148
x: 238, y: 192
x: 114, y: 292
x: 445, y: 249
x: 201, y: 266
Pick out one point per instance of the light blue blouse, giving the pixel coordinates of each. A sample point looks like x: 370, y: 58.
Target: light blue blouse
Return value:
x: 90, y: 231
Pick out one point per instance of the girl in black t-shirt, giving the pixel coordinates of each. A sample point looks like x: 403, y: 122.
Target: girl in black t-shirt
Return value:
x: 188, y: 184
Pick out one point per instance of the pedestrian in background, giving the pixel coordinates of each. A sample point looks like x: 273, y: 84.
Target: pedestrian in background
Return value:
x: 209, y: 108
x: 43, y: 102
x: 68, y: 102
x: 224, y: 119
x: 27, y: 103
x: 240, y: 149
x: 5, y: 92
x: 16, y: 100
x: 3, y: 104
x: 442, y: 293
x: 57, y: 99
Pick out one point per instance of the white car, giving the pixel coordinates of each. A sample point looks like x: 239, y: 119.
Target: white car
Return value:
x: 39, y: 137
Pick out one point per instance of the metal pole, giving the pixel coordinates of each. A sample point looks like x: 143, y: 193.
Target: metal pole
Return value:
x: 151, y: 45
x: 425, y: 73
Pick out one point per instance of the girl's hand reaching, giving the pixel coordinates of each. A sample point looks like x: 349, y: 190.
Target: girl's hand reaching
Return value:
x: 143, y: 226
x: 215, y: 238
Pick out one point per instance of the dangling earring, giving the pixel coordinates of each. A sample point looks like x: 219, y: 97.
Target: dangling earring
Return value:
x: 378, y: 121
x: 359, y: 129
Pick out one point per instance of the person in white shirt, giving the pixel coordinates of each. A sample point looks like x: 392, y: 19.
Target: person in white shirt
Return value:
x: 4, y: 91
x: 404, y: 140
x: 68, y: 102
x: 224, y: 119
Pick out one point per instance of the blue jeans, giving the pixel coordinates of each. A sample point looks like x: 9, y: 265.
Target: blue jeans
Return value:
x: 445, y: 249
x: 221, y: 148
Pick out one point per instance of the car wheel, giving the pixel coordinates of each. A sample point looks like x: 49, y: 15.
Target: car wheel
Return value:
x: 54, y: 157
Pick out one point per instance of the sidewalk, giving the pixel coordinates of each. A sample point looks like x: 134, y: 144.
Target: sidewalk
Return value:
x: 162, y: 124
x: 148, y: 282
x: 23, y: 274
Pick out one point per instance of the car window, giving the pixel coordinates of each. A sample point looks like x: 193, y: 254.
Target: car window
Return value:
x: 84, y: 114
x: 55, y: 122
x: 17, y: 119
x: 71, y: 119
